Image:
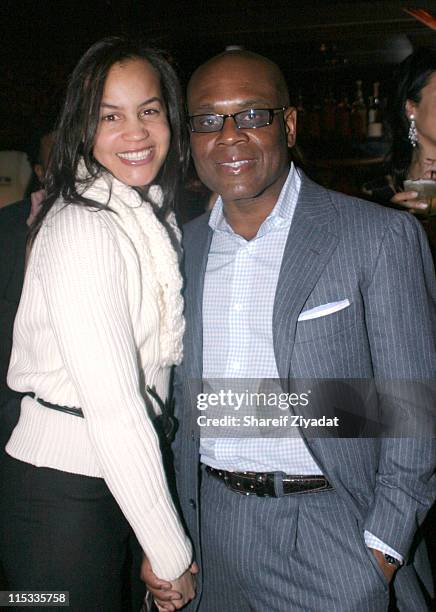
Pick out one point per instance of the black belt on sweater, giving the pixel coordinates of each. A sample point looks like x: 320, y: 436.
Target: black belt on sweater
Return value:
x: 68, y: 409
x: 165, y: 424
x: 262, y: 483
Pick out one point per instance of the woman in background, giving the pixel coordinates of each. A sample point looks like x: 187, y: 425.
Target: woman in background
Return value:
x: 100, y: 320
x: 413, y: 150
x: 414, y: 125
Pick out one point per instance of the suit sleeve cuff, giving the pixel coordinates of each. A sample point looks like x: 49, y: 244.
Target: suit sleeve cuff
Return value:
x: 372, y: 542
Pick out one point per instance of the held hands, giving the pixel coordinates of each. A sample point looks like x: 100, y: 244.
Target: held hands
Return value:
x: 170, y: 596
x: 185, y: 585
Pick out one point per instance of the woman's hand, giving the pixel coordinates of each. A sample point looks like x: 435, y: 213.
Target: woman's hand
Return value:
x: 409, y: 199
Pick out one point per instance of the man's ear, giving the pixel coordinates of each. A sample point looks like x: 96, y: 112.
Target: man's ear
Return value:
x: 290, y: 116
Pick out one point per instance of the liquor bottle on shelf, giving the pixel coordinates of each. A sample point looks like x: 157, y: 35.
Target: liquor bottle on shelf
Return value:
x: 342, y: 119
x: 375, y: 114
x: 358, y: 115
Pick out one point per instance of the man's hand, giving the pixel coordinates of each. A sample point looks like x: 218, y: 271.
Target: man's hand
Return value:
x: 387, y: 569
x: 169, y: 596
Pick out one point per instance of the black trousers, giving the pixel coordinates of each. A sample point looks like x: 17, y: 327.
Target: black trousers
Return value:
x: 62, y: 531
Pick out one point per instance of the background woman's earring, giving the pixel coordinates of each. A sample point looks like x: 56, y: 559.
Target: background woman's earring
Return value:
x: 413, y: 134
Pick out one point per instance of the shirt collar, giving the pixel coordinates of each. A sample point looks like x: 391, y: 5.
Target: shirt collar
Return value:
x: 280, y: 216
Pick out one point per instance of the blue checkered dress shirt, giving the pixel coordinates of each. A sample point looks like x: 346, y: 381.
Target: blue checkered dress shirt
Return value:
x: 238, y: 300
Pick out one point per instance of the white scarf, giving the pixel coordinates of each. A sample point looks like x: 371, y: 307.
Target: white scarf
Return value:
x: 158, y: 257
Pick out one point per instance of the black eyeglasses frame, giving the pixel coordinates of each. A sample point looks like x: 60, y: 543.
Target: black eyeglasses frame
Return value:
x: 272, y: 112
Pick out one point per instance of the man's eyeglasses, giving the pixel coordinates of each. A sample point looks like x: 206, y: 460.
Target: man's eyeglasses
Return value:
x: 249, y: 119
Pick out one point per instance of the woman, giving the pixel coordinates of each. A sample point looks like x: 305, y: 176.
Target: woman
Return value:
x: 99, y: 319
x: 413, y: 123
x: 413, y: 151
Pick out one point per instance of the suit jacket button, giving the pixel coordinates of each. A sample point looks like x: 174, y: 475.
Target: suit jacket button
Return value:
x: 192, y: 504
x: 192, y: 435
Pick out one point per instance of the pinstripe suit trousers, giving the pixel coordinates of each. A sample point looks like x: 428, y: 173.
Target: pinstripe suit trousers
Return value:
x: 266, y: 554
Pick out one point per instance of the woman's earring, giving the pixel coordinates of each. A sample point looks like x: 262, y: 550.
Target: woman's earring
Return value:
x: 413, y: 134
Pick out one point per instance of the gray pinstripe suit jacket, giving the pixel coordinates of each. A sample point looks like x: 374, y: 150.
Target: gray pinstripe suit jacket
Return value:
x: 338, y: 247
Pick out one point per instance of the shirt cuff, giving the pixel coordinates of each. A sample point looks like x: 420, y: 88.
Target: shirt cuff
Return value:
x: 372, y: 542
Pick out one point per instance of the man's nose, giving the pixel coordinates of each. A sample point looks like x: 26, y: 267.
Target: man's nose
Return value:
x: 230, y: 133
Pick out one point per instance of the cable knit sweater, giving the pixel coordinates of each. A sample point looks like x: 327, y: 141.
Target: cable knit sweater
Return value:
x: 100, y: 317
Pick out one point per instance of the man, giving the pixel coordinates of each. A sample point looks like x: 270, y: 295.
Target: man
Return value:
x: 15, y: 172
x: 287, y: 280
x: 15, y: 220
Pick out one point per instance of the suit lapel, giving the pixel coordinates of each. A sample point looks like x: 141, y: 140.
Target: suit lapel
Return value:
x: 310, y: 245
x: 197, y: 245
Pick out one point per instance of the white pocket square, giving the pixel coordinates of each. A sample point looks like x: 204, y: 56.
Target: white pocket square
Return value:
x: 323, y: 310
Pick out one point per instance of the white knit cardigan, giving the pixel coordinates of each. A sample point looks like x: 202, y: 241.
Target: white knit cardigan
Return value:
x: 101, y: 317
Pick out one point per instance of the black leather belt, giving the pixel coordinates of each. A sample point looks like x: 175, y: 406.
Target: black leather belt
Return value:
x: 68, y: 409
x: 262, y: 483
x: 165, y: 423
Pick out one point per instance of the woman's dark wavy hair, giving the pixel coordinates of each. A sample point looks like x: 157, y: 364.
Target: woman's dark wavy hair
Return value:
x: 412, y: 75
x: 78, y: 122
